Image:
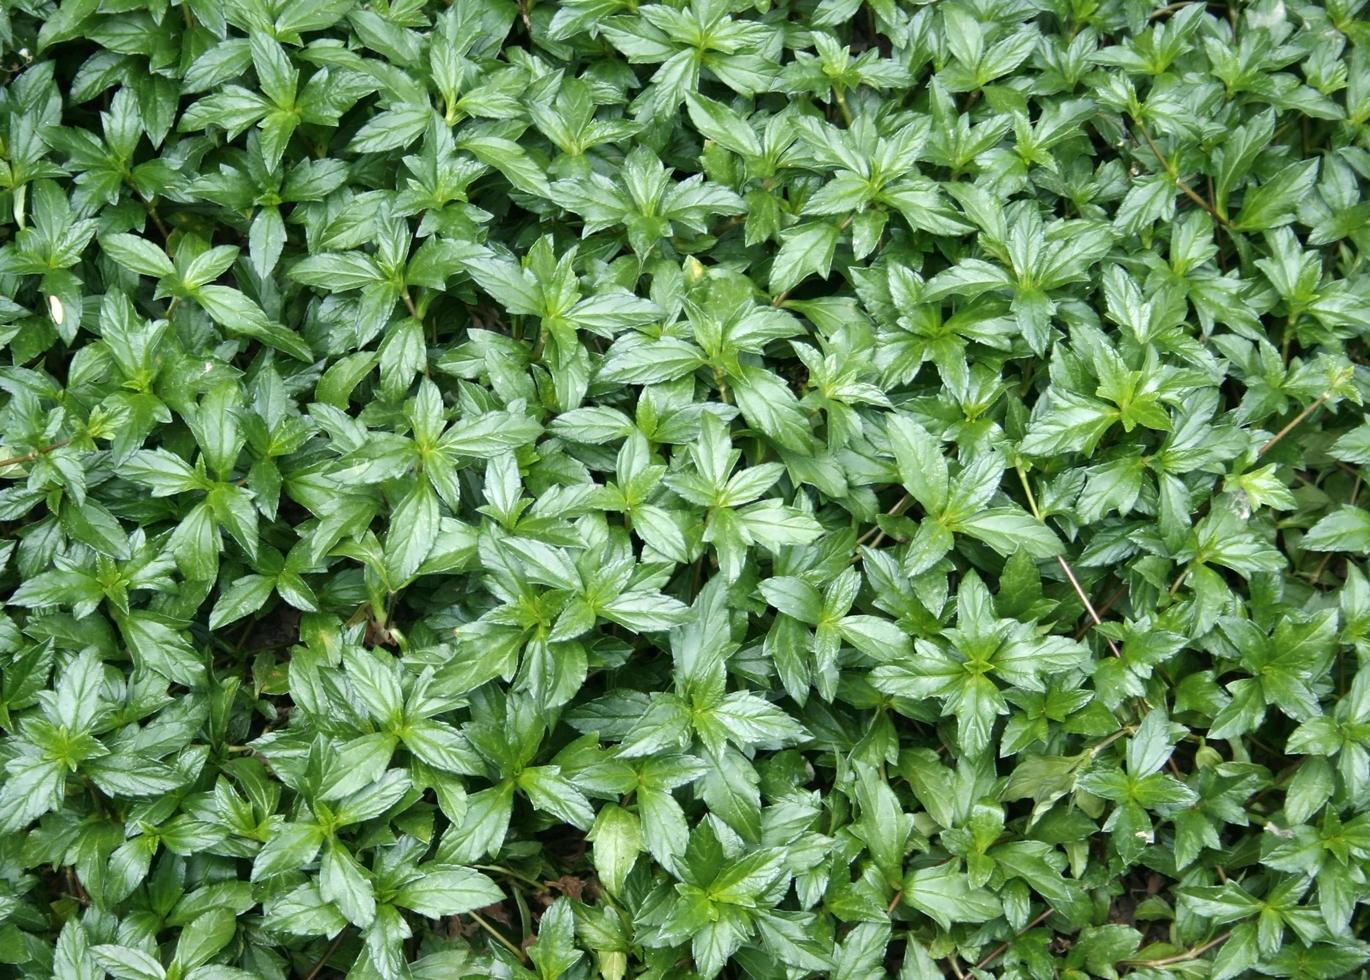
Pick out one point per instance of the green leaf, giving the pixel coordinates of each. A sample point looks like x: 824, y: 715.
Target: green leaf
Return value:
x: 941, y: 893
x: 342, y: 882
x: 805, y: 250
x: 291, y: 846
x: 483, y: 827
x: 617, y: 839
x: 644, y: 612
x: 204, y: 937
x: 922, y: 467
x: 1067, y: 422
x: 127, y: 963
x: 414, y: 528
x: 242, y: 598
x: 554, y: 951
x: 794, y: 597
x: 1347, y: 529
x: 769, y: 406
x: 138, y: 255
x: 158, y: 647
x: 567, y: 443
x: 1273, y: 203
x: 548, y: 790
x: 1007, y: 530
x: 452, y: 891
x: 239, y: 315
x: 722, y: 125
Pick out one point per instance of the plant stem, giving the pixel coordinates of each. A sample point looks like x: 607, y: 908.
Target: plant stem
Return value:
x: 1179, y: 580
x: 842, y: 104
x: 30, y: 457
x: 502, y: 939
x: 1169, y: 9
x: 1089, y: 606
x: 1184, y: 957
x: 879, y: 535
x: 1065, y: 565
x: 1175, y: 176
x: 1027, y: 489
x: 153, y: 214
x: 999, y: 950
x: 327, y: 955
x: 1106, y: 742
x: 510, y: 873
x: 1107, y: 605
x: 1293, y: 423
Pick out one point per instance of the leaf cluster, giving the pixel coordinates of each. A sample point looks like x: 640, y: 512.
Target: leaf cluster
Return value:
x: 768, y: 488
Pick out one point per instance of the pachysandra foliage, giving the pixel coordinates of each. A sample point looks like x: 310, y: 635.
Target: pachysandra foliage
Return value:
x: 852, y: 488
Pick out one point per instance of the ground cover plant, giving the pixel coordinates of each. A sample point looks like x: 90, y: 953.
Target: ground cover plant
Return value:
x: 719, y: 488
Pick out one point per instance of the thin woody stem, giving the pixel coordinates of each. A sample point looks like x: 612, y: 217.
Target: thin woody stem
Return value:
x: 876, y: 533
x: 1175, y: 176
x: 1065, y: 565
x: 503, y: 940
x: 1293, y: 423
x: 1185, y: 957
x: 30, y: 457
x: 327, y: 955
x: 1089, y: 606
x: 999, y: 950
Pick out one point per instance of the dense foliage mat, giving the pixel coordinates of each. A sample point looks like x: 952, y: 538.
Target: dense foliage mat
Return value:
x: 761, y: 489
